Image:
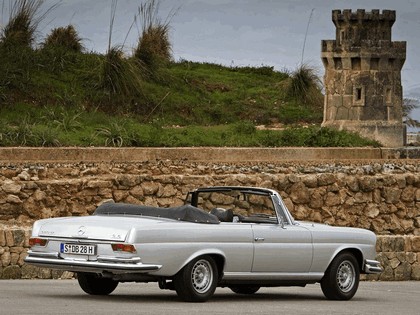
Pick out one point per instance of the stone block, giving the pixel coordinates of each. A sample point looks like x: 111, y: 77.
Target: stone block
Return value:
x: 33, y: 272
x: 99, y: 184
x: 394, y: 262
x: 367, y: 183
x: 393, y: 244
x: 387, y: 274
x: 299, y: 193
x: 22, y: 257
x: 415, y: 271
x: 12, y: 272
x: 417, y: 195
x: 150, y: 188
x: 19, y: 237
x: 67, y: 275
x: 120, y: 195
x: 415, y: 244
x: 11, y: 187
x: 403, y: 272
x: 411, y: 257
x: 372, y: 211
x: 2, y: 238
x: 136, y: 192
x: 126, y: 181
x: 5, y: 259
x: 326, y: 179
x: 316, y: 200
x: 14, y: 258
x: 10, y: 241
x: 311, y: 181
x: 391, y: 195
x: 39, y: 195
x: 408, y: 194
x: 13, y: 199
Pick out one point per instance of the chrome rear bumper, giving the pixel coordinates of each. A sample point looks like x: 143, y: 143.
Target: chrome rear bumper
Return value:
x: 372, y: 266
x: 103, y: 263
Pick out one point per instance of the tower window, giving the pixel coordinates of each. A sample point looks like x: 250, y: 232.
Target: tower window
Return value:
x: 356, y: 64
x: 342, y: 34
x: 358, y: 96
x: 388, y: 96
x: 391, y: 62
x: 374, y: 63
x: 338, y: 64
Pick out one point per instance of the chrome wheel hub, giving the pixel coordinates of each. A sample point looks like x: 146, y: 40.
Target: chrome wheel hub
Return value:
x: 202, y: 276
x: 346, y: 276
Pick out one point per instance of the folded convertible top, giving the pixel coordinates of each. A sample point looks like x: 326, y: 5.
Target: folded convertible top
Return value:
x: 183, y: 213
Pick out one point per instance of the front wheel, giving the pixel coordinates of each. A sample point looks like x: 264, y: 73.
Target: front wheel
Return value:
x: 341, y: 279
x: 95, y: 285
x: 197, y: 281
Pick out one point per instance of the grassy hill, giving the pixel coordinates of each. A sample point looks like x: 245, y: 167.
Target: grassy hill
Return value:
x: 55, y: 97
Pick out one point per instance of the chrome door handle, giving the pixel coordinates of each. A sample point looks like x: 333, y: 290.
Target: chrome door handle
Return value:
x: 259, y: 239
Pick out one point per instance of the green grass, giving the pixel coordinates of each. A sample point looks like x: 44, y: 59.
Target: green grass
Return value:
x: 24, y: 125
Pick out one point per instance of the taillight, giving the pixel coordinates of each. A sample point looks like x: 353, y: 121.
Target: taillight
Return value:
x: 36, y: 241
x: 123, y: 248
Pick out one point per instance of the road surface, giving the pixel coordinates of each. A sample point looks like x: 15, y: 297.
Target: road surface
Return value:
x: 65, y: 297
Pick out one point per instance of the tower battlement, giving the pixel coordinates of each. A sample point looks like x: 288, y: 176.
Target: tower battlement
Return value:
x: 362, y: 15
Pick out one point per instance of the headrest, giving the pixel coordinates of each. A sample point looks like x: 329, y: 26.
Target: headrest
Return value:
x: 222, y: 214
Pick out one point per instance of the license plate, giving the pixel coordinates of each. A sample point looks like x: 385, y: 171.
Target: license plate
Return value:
x: 78, y: 249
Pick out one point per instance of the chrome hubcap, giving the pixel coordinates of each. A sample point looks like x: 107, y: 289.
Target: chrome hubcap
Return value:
x: 346, y: 276
x: 202, y: 276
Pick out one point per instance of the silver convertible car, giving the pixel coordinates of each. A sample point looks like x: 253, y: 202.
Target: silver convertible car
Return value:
x: 243, y: 238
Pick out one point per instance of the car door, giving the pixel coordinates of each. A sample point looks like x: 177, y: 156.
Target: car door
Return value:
x: 281, y: 249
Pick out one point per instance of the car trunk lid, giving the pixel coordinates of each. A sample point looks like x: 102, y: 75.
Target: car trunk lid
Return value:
x: 109, y: 228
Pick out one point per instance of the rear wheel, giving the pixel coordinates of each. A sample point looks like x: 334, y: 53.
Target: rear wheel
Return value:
x: 95, y: 285
x: 197, y: 281
x: 341, y: 279
x: 245, y: 289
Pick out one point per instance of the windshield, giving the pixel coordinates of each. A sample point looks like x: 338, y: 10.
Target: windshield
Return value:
x: 238, y: 205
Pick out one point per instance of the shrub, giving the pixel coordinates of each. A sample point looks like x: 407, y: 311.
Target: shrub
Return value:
x: 153, y: 47
x: 118, y: 74
x: 64, y: 38
x: 305, y: 86
x: 23, y: 22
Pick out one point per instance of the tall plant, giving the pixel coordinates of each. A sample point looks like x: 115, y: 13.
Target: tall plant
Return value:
x: 24, y: 19
x: 153, y: 47
x: 65, y: 38
x: 119, y: 75
x: 410, y: 104
x: 305, y: 86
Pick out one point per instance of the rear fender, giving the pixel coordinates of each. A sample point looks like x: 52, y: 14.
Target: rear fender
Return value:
x: 208, y: 251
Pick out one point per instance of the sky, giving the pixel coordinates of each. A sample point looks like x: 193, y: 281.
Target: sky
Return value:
x: 239, y: 32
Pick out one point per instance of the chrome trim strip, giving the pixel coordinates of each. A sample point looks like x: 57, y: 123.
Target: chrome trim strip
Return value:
x: 372, y: 266
x: 309, y: 276
x: 43, y: 254
x: 93, y: 266
x: 131, y: 260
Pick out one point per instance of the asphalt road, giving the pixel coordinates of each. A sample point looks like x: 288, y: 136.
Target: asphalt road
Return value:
x: 65, y: 297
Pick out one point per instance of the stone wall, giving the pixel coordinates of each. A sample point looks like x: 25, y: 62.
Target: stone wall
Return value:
x: 380, y: 195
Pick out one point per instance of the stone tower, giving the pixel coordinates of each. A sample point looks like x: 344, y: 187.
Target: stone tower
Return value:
x: 363, y: 91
